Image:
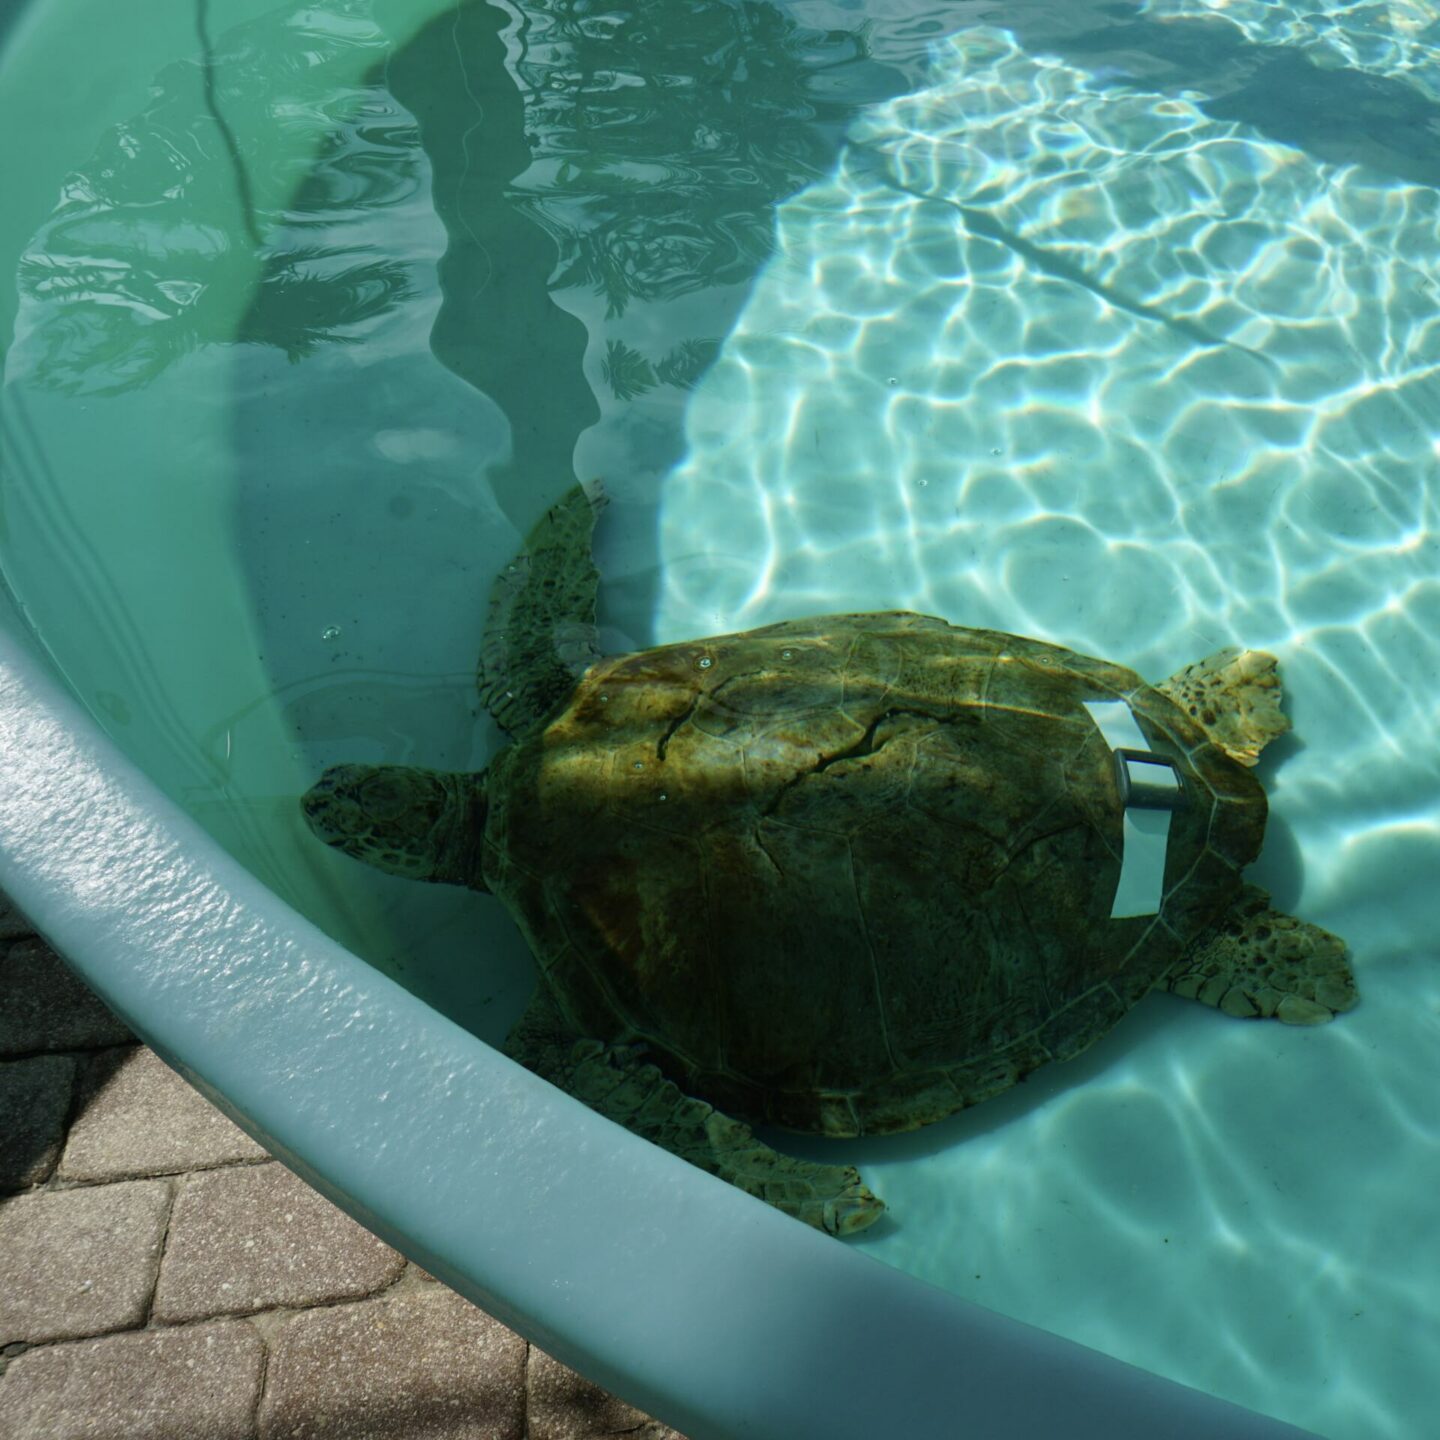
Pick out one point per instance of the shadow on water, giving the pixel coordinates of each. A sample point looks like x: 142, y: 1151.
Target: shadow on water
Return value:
x: 1338, y: 115
x: 608, y: 190
x: 1281, y: 866
x: 498, y: 328
x: 603, y: 185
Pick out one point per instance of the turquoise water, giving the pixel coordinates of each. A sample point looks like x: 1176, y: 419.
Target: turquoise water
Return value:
x: 1114, y: 325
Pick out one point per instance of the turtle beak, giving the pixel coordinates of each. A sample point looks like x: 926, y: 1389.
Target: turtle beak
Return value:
x: 330, y: 807
x: 420, y: 824
x: 342, y: 812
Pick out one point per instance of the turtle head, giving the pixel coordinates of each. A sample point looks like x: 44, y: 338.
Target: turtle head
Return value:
x: 422, y: 824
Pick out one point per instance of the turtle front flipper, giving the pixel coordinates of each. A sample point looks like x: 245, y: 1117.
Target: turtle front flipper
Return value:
x: 616, y: 1082
x: 540, y: 636
x: 1234, y: 696
x: 1260, y: 962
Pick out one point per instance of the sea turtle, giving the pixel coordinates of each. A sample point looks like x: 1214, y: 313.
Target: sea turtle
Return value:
x: 844, y: 875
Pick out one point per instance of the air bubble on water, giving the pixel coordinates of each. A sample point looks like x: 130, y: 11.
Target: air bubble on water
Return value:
x: 893, y: 380
x: 331, y: 632
x: 663, y: 795
x: 704, y: 662
x: 997, y: 451
x: 922, y: 482
x: 639, y: 765
x: 604, y: 699
x: 787, y: 654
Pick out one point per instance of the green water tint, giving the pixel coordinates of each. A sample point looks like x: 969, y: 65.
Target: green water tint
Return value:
x: 136, y: 296
x: 844, y: 323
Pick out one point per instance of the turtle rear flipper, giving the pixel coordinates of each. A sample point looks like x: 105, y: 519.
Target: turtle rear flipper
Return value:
x: 616, y: 1081
x: 540, y: 635
x: 1234, y: 696
x: 1261, y: 962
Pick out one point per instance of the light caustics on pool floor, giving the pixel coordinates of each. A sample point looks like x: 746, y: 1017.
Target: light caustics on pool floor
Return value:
x: 1086, y: 363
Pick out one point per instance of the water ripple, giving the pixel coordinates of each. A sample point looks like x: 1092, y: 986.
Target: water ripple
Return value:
x: 1084, y: 360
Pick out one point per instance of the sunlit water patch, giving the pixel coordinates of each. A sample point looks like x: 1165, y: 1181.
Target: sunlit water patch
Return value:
x: 1392, y: 39
x: 1083, y: 361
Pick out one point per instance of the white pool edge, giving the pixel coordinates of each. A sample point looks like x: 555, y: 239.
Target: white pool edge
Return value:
x: 702, y: 1306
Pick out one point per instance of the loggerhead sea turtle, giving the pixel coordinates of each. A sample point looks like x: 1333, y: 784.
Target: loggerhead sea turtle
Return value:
x: 845, y: 875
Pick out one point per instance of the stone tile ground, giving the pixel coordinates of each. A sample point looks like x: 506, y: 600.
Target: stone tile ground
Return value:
x: 161, y: 1277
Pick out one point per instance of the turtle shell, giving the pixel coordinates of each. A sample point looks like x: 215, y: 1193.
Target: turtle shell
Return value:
x: 853, y: 873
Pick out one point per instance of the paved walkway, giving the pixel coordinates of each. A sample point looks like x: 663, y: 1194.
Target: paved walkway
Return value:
x: 161, y: 1277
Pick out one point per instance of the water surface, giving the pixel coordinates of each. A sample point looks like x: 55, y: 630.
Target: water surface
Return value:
x: 1110, y: 324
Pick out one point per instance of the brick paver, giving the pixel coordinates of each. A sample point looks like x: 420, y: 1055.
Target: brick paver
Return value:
x: 253, y: 1237
x: 200, y: 1381
x: 79, y: 1262
x: 44, y: 1007
x: 566, y: 1406
x: 138, y: 1117
x: 34, y: 1101
x: 425, y: 1365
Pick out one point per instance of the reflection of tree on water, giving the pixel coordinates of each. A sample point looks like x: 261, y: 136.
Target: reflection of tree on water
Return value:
x: 664, y: 134
x: 662, y: 137
x: 150, y: 255
x: 628, y: 373
x: 116, y: 325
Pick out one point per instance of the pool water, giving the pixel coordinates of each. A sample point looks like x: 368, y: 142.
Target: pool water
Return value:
x: 1110, y: 324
